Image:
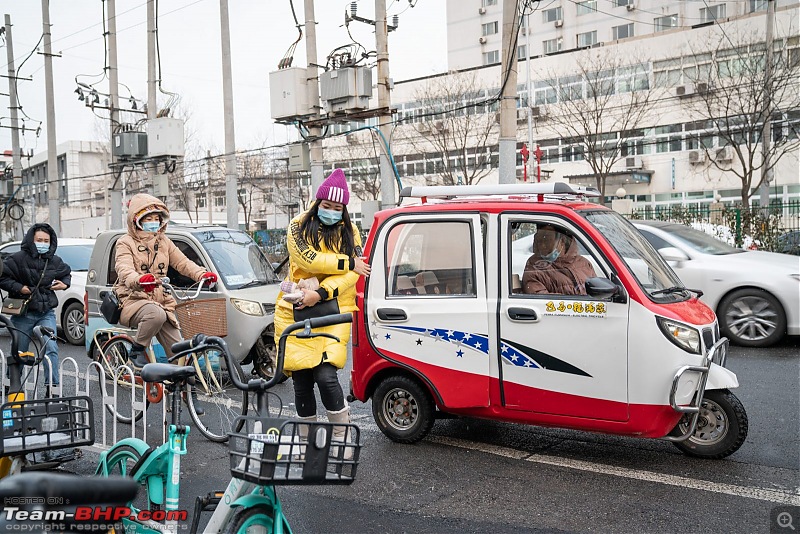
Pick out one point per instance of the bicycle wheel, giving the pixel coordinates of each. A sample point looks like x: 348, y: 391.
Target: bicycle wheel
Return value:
x: 120, y: 461
x: 16, y: 211
x: 221, y: 402
x: 113, y: 354
x: 252, y: 520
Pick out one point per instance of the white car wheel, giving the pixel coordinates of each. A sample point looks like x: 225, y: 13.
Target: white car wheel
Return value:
x: 752, y: 318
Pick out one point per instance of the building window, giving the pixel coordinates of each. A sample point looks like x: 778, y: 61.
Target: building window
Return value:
x: 491, y: 57
x: 712, y: 13
x: 621, y: 32
x: 552, y: 15
x: 620, y: 3
x: 586, y: 7
x: 521, y: 52
x: 758, y: 5
x: 489, y: 28
x: 551, y: 46
x: 587, y: 39
x: 489, y: 3
x: 666, y: 22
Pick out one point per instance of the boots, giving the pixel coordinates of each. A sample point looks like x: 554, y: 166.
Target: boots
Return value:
x: 137, y: 356
x: 299, y: 451
x: 340, y: 433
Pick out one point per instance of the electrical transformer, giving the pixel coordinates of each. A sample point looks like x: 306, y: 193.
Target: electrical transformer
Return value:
x: 347, y: 89
x: 130, y: 145
x: 165, y: 137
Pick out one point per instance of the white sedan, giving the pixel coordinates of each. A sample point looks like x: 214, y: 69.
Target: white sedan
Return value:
x: 69, y: 313
x: 755, y: 294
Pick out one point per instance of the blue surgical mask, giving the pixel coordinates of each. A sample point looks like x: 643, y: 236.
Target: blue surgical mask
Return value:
x: 553, y: 256
x: 151, y: 226
x: 42, y: 248
x: 329, y: 217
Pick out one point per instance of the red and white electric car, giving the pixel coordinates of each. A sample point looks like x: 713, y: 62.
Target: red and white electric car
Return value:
x: 444, y: 325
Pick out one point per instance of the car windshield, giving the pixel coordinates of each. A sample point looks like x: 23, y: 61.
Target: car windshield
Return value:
x: 649, y: 268
x: 237, y: 258
x: 700, y: 241
x: 76, y: 256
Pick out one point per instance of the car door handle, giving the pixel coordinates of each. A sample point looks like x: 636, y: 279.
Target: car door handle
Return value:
x: 522, y: 314
x: 391, y: 314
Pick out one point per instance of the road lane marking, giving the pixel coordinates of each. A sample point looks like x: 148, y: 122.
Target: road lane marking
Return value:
x: 763, y: 494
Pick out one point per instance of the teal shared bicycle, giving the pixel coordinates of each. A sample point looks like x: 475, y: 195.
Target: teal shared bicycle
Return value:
x: 266, y: 452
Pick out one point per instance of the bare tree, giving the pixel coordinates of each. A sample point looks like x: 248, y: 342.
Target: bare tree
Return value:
x: 595, y: 106
x: 458, y: 134
x: 364, y: 176
x: 737, y: 94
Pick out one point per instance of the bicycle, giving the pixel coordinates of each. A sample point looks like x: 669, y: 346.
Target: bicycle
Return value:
x: 57, y: 496
x: 268, y: 452
x: 38, y: 425
x: 213, y: 380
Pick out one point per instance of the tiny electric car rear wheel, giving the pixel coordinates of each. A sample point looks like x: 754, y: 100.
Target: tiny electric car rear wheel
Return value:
x: 403, y: 409
x: 752, y: 318
x: 721, y: 426
x: 72, y: 323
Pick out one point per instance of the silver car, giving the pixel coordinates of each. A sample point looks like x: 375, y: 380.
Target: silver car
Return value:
x: 246, y: 281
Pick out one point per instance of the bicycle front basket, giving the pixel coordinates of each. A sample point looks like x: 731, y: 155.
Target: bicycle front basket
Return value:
x: 46, y: 424
x: 275, y: 451
x: 203, y: 316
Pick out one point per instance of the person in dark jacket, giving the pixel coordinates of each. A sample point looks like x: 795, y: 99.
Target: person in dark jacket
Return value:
x: 36, y: 273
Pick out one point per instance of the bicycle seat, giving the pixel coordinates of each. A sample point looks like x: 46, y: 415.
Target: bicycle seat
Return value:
x: 76, y: 490
x: 160, y: 372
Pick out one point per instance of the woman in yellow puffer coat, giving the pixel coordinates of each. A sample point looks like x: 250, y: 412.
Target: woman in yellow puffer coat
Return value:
x: 322, y: 243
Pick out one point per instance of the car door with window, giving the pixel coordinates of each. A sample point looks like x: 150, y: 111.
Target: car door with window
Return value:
x: 426, y: 303
x: 562, y: 352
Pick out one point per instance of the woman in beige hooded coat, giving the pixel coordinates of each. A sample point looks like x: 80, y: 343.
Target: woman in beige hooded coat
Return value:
x: 142, y: 259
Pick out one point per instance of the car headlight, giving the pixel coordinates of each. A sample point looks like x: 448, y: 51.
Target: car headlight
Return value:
x: 683, y: 336
x: 248, y: 306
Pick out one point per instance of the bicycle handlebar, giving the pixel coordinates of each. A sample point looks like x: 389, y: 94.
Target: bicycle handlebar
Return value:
x: 165, y: 283
x: 201, y: 341
x: 43, y: 334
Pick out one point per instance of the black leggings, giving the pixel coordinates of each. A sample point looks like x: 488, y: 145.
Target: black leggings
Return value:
x: 324, y: 375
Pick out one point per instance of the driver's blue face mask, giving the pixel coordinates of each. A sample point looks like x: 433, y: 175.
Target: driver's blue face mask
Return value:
x: 553, y: 256
x: 151, y: 226
x: 329, y: 217
x: 42, y: 248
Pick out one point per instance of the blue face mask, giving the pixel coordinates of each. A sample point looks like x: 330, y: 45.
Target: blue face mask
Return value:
x: 42, y: 248
x: 553, y: 256
x: 151, y: 226
x: 329, y: 217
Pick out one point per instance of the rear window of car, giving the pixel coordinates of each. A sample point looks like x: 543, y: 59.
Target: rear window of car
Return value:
x: 76, y: 256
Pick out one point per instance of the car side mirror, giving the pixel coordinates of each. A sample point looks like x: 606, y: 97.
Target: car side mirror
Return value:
x: 601, y: 288
x: 673, y: 254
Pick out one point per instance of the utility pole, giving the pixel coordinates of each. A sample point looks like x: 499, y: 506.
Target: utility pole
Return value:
x: 209, y: 193
x: 315, y: 145
x: 508, y: 102
x: 384, y: 103
x: 53, y: 181
x: 113, y: 102
x: 531, y: 142
x: 766, y: 172
x: 152, y: 105
x: 231, y: 188
x: 14, y: 109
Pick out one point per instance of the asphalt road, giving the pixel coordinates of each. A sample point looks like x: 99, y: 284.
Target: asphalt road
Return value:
x: 483, y: 476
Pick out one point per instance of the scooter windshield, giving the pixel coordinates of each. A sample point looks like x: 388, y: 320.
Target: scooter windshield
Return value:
x: 237, y: 258
x: 651, y: 271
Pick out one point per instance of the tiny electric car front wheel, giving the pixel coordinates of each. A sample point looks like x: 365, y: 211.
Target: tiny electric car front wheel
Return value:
x: 752, y: 318
x: 403, y: 409
x: 721, y: 426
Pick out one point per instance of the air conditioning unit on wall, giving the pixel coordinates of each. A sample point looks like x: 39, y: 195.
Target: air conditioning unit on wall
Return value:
x: 559, y: 23
x: 633, y: 162
x: 482, y: 40
x: 697, y: 156
x: 481, y: 11
x: 724, y: 154
x: 630, y: 7
x: 684, y: 90
x: 539, y: 112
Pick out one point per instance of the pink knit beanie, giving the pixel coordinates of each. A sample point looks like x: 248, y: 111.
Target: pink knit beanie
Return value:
x: 334, y: 188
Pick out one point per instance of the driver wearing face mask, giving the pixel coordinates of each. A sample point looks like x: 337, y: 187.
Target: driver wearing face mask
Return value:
x: 556, y: 267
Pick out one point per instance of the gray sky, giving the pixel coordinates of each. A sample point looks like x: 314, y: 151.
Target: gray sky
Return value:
x: 189, y: 41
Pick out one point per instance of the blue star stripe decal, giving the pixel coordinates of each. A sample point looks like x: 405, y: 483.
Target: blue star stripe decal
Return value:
x: 479, y: 342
